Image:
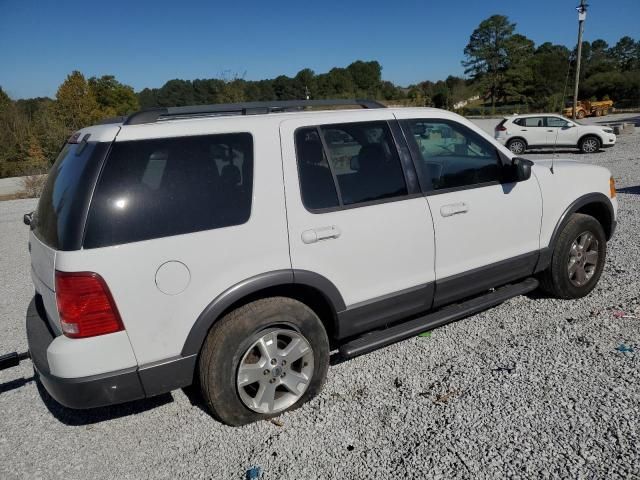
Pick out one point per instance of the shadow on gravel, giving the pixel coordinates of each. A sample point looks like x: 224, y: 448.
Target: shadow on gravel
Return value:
x: 549, y: 151
x: 635, y: 190
x: 72, y: 417
x: 13, y: 384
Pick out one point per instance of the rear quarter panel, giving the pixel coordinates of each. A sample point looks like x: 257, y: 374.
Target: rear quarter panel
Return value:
x: 157, y: 323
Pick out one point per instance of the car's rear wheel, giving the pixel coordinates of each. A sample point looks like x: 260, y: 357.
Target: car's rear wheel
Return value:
x: 266, y: 357
x: 589, y: 144
x: 517, y: 146
x: 578, y: 258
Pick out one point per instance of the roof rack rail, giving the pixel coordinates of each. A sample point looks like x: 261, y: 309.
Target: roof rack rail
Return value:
x: 248, y: 108
x: 110, y: 120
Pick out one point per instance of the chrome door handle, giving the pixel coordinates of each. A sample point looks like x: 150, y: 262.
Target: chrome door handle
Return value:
x: 454, y: 209
x: 322, y: 233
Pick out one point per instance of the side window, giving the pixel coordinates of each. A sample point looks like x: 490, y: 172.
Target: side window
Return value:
x: 532, y: 122
x: 451, y: 155
x: 316, y: 181
x: 171, y: 186
x: 355, y: 162
x: 556, y: 122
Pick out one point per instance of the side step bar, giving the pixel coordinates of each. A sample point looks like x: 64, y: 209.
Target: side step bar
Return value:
x: 382, y: 338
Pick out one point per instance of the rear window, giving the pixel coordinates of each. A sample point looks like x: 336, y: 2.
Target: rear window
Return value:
x: 61, y: 211
x: 171, y: 186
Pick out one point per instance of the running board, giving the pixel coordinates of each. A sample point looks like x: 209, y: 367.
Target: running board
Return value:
x: 382, y: 338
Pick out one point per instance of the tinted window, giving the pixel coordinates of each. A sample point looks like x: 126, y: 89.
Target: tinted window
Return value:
x: 59, y: 218
x: 360, y: 157
x: 451, y: 155
x: 316, y: 181
x: 556, y: 122
x: 530, y: 122
x: 171, y: 186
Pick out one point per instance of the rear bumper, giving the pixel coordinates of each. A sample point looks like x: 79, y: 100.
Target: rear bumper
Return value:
x: 105, y: 389
x: 83, y: 392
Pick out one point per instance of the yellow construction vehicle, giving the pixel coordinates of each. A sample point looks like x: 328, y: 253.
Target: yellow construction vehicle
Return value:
x: 589, y: 109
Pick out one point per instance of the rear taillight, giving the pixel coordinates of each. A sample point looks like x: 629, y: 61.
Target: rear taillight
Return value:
x: 501, y: 128
x: 85, y: 305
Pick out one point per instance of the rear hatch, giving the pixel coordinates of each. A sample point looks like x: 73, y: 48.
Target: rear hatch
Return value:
x: 58, y: 222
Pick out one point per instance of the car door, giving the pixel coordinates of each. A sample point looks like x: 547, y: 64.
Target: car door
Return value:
x: 357, y: 217
x: 561, y: 131
x: 487, y: 232
x: 532, y: 129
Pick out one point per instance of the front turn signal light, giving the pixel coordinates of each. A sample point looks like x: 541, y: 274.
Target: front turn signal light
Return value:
x: 612, y: 188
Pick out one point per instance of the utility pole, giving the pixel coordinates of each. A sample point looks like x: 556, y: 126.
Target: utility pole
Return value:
x: 582, y: 16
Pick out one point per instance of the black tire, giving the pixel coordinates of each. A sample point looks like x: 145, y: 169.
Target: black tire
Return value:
x: 556, y: 279
x: 580, y: 114
x: 589, y: 144
x: 517, y: 145
x: 232, y: 336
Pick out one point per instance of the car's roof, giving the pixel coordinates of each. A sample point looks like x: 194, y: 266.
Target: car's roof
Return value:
x: 530, y: 115
x: 193, y: 125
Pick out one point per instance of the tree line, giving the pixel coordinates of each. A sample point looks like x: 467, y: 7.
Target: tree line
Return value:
x: 503, y: 68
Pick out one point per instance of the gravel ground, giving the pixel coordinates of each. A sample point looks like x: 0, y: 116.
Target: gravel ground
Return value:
x: 532, y: 388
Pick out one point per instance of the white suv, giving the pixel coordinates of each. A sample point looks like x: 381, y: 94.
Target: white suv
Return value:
x: 236, y: 246
x: 522, y: 132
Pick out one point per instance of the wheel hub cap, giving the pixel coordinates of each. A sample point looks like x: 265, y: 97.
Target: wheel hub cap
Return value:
x: 275, y: 371
x: 583, y: 259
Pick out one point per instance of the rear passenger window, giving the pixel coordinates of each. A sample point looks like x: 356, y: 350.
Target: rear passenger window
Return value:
x: 348, y: 164
x: 530, y: 122
x: 451, y: 155
x: 171, y: 186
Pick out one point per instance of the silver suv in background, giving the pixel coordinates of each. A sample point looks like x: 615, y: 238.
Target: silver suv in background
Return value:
x: 522, y: 132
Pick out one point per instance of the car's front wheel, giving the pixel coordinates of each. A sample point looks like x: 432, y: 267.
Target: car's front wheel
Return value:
x: 589, y: 144
x: 578, y: 258
x: 517, y: 146
x: 266, y: 357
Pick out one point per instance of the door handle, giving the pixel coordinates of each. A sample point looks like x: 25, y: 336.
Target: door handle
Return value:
x: 323, y: 233
x: 454, y: 209
x: 524, y: 130
x: 550, y: 131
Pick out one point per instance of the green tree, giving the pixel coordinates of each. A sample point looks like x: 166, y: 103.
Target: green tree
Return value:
x: 76, y: 105
x: 487, y: 54
x: 626, y: 54
x: 4, y: 99
x: 366, y: 77
x: 113, y: 97
x: 517, y: 72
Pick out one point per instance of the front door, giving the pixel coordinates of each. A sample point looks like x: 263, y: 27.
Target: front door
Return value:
x: 561, y: 132
x: 487, y: 232
x: 354, y: 216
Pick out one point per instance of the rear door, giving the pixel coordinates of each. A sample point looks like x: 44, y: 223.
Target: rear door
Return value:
x: 58, y: 222
x: 532, y: 129
x: 356, y: 215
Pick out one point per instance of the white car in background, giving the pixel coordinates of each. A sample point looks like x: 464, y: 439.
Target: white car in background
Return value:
x: 522, y: 132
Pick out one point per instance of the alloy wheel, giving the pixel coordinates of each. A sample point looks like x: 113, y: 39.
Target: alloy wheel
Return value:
x: 583, y: 259
x: 275, y: 371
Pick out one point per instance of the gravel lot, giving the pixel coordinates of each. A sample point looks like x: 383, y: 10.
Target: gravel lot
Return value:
x: 532, y: 388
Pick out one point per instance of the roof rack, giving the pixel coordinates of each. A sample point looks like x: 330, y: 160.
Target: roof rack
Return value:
x: 248, y: 108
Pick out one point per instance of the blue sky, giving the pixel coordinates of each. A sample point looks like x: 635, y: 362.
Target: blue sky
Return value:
x: 146, y: 43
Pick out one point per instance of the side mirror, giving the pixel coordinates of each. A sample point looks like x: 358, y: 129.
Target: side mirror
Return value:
x: 28, y: 218
x: 521, y: 169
